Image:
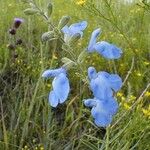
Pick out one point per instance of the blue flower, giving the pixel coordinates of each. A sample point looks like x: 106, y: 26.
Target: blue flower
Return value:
x: 102, y: 83
x: 53, y: 72
x: 102, y: 110
x: 93, y: 39
x: 104, y: 48
x: 73, y: 29
x: 103, y: 106
x: 92, y: 74
x: 60, y: 84
x: 108, y: 50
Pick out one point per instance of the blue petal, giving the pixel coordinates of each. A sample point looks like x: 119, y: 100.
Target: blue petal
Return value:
x: 89, y: 102
x: 103, y: 120
x: 73, y: 29
x: 61, y: 87
x: 75, y: 32
x: 111, y: 106
x: 115, y: 82
x: 53, y: 100
x: 53, y: 72
x: 93, y: 39
x: 101, y: 88
x: 101, y: 115
x: 65, y: 30
x: 92, y: 73
x: 99, y: 108
x: 78, y: 26
x: 104, y: 74
x: 108, y: 50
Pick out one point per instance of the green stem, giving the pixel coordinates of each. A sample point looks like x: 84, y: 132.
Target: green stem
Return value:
x: 107, y: 137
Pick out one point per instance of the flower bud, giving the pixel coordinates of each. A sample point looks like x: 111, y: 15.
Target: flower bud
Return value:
x: 47, y: 36
x: 15, y: 55
x: 49, y: 9
x: 63, y: 21
x: 74, y: 38
x: 12, y: 31
x: 30, y: 11
x: 11, y: 47
x: 19, y: 42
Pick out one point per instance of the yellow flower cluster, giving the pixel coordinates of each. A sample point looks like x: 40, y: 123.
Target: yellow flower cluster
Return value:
x: 127, y: 102
x: 81, y: 2
x: 146, y: 112
x: 126, y: 106
x: 147, y: 94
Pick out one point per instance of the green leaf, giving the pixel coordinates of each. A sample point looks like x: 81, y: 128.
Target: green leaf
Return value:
x: 68, y: 63
x: 30, y: 11
x: 73, y: 40
x: 47, y: 36
x: 49, y: 9
x: 65, y: 47
x: 63, y: 21
x: 82, y: 56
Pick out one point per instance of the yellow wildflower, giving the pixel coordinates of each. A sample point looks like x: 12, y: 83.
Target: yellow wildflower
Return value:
x: 146, y: 112
x: 80, y: 2
x: 139, y: 74
x: 127, y: 106
x: 146, y: 63
x: 119, y: 94
x: 48, y: 85
x: 132, y: 97
x: 41, y: 148
x: 123, y: 98
x: 147, y: 94
x: 19, y: 61
x: 55, y: 57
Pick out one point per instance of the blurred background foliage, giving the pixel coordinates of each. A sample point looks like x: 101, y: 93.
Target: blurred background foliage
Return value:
x: 26, y: 119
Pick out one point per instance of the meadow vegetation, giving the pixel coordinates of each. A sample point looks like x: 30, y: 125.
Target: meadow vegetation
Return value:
x: 28, y: 122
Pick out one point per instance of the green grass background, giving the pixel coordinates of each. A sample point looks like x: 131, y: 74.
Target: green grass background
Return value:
x: 26, y: 119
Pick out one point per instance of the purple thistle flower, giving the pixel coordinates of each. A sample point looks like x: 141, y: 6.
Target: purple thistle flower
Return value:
x: 17, y: 22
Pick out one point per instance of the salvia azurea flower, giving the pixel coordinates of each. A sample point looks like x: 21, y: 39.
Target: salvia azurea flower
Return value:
x: 102, y: 110
x: 60, y: 86
x: 17, y: 22
x: 103, y: 105
x: 103, y: 84
x: 74, y: 29
x: 104, y: 48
